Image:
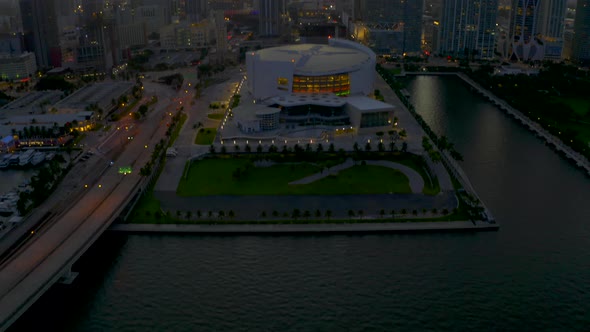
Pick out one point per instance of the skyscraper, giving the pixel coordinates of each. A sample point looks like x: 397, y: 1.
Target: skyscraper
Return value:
x: 581, y: 42
x: 536, y: 30
x: 396, y: 24
x: 551, y: 26
x: 468, y: 28
x: 271, y: 13
x: 41, y: 31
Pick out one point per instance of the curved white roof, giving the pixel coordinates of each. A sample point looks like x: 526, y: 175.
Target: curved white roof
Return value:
x: 314, y: 59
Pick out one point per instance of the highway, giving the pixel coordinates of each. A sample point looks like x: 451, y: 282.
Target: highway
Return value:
x: 94, y: 196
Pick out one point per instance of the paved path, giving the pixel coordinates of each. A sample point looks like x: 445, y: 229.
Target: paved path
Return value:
x: 308, y: 228
x: 416, y: 180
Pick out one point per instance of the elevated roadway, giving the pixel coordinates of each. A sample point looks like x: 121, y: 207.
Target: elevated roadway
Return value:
x: 50, y: 253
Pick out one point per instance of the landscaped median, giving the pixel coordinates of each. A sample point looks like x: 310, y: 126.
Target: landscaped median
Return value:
x: 205, y: 136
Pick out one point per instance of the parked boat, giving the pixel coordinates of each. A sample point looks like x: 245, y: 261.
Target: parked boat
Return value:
x: 50, y: 156
x: 14, y: 159
x: 38, y: 157
x: 26, y: 157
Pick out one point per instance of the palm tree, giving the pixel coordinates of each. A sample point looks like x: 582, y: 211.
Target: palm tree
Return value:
x: 350, y: 213
x: 189, y: 215
x: 318, y: 213
x: 221, y: 214
x: 434, y: 211
x: 306, y: 214
x: 296, y: 213
x: 382, y: 213
x: 275, y: 213
x: 328, y: 214
x: 263, y: 214
x: 392, y: 214
x: 199, y: 214
x: 231, y: 214
x: 178, y: 214
x: 360, y: 214
x: 404, y: 211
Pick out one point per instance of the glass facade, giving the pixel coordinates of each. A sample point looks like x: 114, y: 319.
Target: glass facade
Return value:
x: 377, y: 119
x: 338, y: 84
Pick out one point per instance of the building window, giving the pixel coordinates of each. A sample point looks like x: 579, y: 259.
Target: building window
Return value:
x: 338, y: 84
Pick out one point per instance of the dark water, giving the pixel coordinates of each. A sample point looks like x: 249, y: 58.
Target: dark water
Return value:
x: 532, y: 275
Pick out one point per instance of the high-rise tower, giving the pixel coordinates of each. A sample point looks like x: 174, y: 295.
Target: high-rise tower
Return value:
x: 468, y: 28
x: 395, y: 24
x: 41, y: 31
x: 271, y: 13
x: 581, y: 42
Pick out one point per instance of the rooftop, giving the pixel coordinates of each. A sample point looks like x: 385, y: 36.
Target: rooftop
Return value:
x: 310, y: 59
x: 367, y: 104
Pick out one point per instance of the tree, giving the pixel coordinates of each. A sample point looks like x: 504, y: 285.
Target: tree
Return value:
x: 392, y: 214
x: 237, y: 148
x: 212, y: 149
x: 189, y: 215
x: 318, y: 213
x: 136, y: 116
x: 221, y: 214
x: 368, y: 147
x: 223, y: 149
x: 259, y: 148
x: 360, y: 213
x: 275, y: 213
x: 319, y: 148
x: 380, y: 147
x: 350, y: 213
x: 306, y: 214
x: 331, y: 148
x: 328, y: 214
x: 382, y: 213
x: 142, y: 110
x: 178, y: 214
x: 405, y: 147
x: 199, y: 214
x: 247, y: 148
x: 355, y: 147
x: 296, y: 213
x: 263, y: 214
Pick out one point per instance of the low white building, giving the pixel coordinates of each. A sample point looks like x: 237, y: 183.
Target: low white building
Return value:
x: 17, y: 67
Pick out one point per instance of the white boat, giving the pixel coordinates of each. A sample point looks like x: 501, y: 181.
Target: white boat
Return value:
x: 38, y: 157
x: 26, y: 157
x: 50, y: 156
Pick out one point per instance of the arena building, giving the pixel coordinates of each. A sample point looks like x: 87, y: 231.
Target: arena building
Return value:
x: 307, y: 85
x: 342, y: 68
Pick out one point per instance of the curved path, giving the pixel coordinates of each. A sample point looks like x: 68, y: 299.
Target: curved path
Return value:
x: 416, y: 180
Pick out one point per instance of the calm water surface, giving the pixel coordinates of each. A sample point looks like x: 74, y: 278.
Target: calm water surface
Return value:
x: 532, y: 275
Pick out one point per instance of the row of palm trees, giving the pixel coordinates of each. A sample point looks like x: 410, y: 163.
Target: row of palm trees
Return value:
x: 298, y: 214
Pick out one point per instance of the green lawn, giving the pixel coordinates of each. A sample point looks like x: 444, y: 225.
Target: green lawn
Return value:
x: 177, y: 128
x: 215, y: 116
x: 579, y: 105
x: 206, y: 136
x: 215, y: 177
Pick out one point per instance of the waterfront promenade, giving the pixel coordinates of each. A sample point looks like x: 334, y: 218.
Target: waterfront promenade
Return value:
x: 327, y: 228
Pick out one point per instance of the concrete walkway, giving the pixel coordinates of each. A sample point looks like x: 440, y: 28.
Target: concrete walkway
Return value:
x: 416, y: 180
x: 307, y: 228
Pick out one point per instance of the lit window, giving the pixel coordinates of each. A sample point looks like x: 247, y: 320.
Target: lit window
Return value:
x: 283, y: 81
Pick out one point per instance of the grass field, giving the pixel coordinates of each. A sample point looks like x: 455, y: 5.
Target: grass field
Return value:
x: 579, y: 105
x: 206, y: 136
x: 216, y: 177
x: 215, y: 116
